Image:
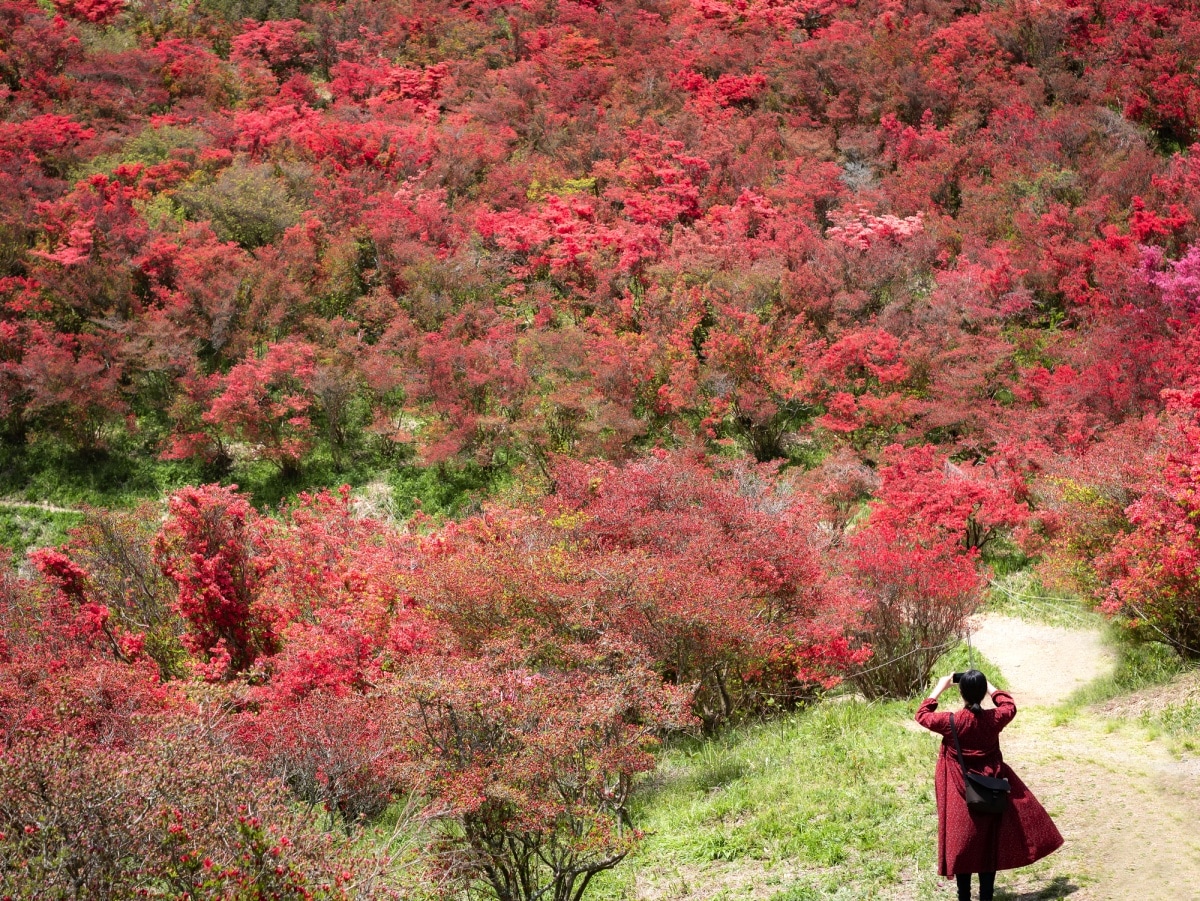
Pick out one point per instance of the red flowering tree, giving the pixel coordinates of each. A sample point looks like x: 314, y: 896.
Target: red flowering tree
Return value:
x: 530, y: 769
x: 971, y: 504
x: 98, y: 12
x: 1150, y: 573
x: 67, y: 668
x: 266, y: 402
x: 209, y: 548
x: 715, y: 574
x: 919, y: 588
x: 323, y: 721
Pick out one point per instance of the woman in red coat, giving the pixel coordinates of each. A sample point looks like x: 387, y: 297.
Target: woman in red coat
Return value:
x: 982, y: 843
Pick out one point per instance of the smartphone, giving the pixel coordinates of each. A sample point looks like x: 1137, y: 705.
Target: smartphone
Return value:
x: 957, y: 678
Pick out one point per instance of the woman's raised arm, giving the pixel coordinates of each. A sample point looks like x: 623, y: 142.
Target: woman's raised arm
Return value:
x: 927, y: 714
x: 1006, y: 707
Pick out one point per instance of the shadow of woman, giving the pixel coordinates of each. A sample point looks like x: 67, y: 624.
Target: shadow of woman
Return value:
x: 1058, y: 887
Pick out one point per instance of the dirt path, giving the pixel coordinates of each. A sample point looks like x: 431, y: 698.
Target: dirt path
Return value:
x: 36, y: 505
x: 1042, y: 663
x: 1126, y: 807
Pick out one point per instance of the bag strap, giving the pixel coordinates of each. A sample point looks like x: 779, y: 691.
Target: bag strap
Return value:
x: 958, y: 748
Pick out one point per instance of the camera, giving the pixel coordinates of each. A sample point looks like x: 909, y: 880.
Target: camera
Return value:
x: 957, y: 678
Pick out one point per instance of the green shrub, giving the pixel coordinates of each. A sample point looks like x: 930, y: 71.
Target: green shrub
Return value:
x: 245, y: 203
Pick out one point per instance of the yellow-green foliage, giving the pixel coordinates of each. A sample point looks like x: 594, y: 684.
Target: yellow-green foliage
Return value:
x: 245, y: 203
x: 538, y: 190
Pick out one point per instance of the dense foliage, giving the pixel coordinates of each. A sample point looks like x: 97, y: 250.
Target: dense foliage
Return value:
x: 771, y: 323
x: 497, y: 232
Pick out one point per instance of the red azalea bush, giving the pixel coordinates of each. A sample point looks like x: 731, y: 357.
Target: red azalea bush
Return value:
x: 716, y: 579
x: 113, y: 783
x: 208, y: 547
x: 175, y: 813
x: 530, y: 768
x: 716, y: 573
x: 919, y: 588
x: 1149, y: 571
x: 67, y: 670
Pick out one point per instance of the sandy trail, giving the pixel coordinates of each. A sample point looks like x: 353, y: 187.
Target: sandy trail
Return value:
x: 1127, y: 808
x: 36, y: 505
x: 1042, y: 663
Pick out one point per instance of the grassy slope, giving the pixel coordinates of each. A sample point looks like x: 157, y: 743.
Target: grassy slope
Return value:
x: 24, y: 527
x: 1151, y: 687
x: 832, y: 802
x: 56, y: 477
x: 129, y: 469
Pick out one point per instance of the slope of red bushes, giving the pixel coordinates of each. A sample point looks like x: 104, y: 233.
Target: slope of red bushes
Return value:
x: 799, y: 309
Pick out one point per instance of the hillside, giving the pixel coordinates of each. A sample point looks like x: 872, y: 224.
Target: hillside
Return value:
x: 328, y: 239
x: 434, y: 434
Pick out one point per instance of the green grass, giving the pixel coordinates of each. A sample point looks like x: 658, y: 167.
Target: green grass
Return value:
x: 129, y: 471
x: 47, y: 473
x: 1021, y: 594
x: 1004, y: 558
x: 445, y: 490
x: 1142, y: 665
x: 833, y: 802
x: 1172, y: 714
x: 22, y: 528
x: 1179, y: 723
x: 124, y: 475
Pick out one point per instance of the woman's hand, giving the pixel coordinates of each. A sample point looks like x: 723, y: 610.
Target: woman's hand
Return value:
x: 942, y: 684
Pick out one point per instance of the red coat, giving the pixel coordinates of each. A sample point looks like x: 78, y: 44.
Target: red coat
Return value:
x: 981, y: 843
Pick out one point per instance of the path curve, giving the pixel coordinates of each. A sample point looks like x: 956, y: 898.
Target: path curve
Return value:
x: 1127, y: 808
x: 1043, y: 664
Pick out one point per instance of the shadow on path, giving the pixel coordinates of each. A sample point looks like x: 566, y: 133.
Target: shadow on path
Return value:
x: 1058, y: 887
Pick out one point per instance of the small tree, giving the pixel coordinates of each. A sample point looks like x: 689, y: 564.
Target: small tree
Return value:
x: 178, y: 815
x: 919, y: 589
x: 530, y: 772
x: 116, y: 548
x: 207, y: 548
x: 266, y: 402
x: 972, y: 504
x: 338, y: 752
x: 71, y: 390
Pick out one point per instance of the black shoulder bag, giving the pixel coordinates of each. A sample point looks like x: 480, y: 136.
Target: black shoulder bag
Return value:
x: 984, y: 794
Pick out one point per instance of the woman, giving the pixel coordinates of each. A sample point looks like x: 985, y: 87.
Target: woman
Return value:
x: 982, y: 843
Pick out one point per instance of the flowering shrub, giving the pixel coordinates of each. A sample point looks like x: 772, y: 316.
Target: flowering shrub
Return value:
x: 207, y: 548
x: 919, y: 588
x: 67, y: 670
x: 860, y: 229
x: 1149, y: 572
x: 175, y: 815
x: 531, y: 770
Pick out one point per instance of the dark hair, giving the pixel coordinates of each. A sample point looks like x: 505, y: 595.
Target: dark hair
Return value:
x: 973, y: 685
